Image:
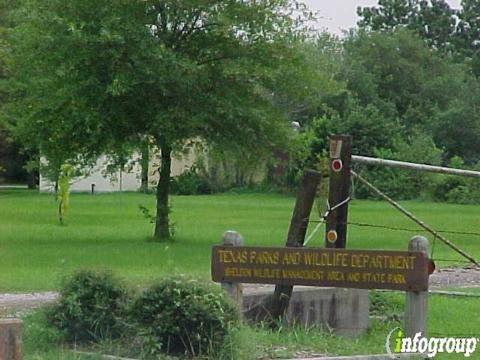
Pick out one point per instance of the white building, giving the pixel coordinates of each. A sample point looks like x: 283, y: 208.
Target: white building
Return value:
x: 99, y: 180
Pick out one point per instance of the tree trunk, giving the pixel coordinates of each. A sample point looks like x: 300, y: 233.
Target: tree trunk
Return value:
x: 55, y: 189
x: 144, y: 164
x: 32, y: 181
x: 162, y: 226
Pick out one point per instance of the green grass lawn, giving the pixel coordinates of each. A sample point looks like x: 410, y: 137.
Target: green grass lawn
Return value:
x: 108, y: 230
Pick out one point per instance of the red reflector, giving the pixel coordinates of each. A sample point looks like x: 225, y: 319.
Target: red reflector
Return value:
x: 337, y: 165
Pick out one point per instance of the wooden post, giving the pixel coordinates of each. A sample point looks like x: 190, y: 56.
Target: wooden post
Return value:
x: 278, y: 303
x: 339, y: 191
x: 416, y: 301
x: 10, y: 339
x: 235, y: 290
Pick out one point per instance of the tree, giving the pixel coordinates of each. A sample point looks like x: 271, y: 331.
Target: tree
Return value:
x: 457, y: 128
x: 5, y: 26
x: 315, y: 81
x: 452, y: 31
x: 95, y: 75
x: 432, y: 20
x: 396, y: 88
x: 401, y: 76
x: 468, y: 34
x: 18, y: 160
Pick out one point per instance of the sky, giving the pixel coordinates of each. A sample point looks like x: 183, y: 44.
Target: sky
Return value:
x: 338, y: 15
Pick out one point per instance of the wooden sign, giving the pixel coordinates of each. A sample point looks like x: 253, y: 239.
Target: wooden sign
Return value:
x: 362, y: 269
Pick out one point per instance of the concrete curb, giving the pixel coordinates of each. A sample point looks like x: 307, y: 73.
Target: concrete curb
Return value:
x: 365, y: 357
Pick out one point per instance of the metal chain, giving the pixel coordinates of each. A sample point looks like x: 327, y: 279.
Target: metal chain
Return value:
x: 330, y: 209
x: 319, y: 225
x: 433, y: 246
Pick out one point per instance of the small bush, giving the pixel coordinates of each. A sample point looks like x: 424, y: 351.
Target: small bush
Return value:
x: 179, y: 316
x: 456, y: 189
x: 190, y: 183
x: 90, y: 307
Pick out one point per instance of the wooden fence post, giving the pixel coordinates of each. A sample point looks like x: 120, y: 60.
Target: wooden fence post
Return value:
x: 416, y: 303
x: 278, y: 303
x: 235, y: 290
x: 10, y: 339
x: 339, y: 191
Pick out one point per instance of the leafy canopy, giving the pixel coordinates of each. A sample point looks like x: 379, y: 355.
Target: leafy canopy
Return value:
x: 453, y: 31
x: 93, y: 75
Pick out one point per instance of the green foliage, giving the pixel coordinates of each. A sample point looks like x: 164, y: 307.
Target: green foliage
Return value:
x: 181, y: 316
x: 11, y: 159
x: 457, y: 128
x: 65, y: 176
x: 90, y: 308
x: 456, y: 189
x: 6, y: 26
x: 315, y: 80
x: 190, y: 182
x: 175, y: 316
x: 146, y: 213
x: 466, y: 39
x: 402, y: 101
x: 406, y: 88
x: 369, y: 127
x: 464, y: 194
x: 434, y: 20
x: 442, y: 28
x: 400, y: 75
x: 403, y: 184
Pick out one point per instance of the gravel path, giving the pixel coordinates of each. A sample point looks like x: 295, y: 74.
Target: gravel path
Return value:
x: 441, y: 279
x: 455, y: 277
x: 17, y: 303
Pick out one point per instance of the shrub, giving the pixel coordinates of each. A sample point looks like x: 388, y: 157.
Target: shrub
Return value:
x: 190, y: 183
x: 90, y: 307
x: 456, y: 189
x: 179, y: 316
x: 465, y: 194
x: 401, y: 184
